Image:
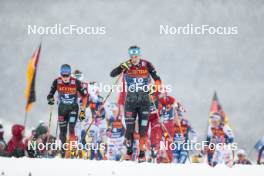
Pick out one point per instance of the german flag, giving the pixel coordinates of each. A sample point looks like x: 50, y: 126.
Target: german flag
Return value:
x: 217, y: 108
x: 31, y: 79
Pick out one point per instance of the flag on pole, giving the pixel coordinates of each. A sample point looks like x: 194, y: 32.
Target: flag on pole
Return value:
x: 31, y: 79
x: 217, y: 108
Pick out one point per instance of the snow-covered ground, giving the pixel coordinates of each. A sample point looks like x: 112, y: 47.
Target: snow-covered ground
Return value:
x: 65, y: 167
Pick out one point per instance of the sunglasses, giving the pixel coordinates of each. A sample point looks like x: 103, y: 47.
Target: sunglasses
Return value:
x: 65, y: 76
x: 134, y: 52
x: 240, y: 155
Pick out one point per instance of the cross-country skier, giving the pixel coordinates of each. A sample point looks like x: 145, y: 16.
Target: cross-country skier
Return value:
x: 167, y: 116
x: 98, y: 109
x: 219, y: 134
x: 68, y: 89
x: 183, y: 135
x: 115, y: 133
x: 154, y: 128
x: 137, y: 74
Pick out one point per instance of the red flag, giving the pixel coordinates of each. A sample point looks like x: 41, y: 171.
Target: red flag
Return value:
x: 31, y: 79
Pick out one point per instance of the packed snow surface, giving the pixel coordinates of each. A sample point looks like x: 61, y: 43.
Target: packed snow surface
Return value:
x: 71, y: 167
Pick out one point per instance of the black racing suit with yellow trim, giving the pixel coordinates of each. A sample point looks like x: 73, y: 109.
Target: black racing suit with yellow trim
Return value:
x: 137, y: 103
x: 67, y: 104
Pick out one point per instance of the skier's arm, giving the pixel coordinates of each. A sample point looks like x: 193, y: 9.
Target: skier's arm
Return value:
x: 118, y: 70
x: 53, y: 89
x: 229, y: 134
x: 83, y: 92
x: 153, y: 72
x: 209, y: 135
x: 155, y: 77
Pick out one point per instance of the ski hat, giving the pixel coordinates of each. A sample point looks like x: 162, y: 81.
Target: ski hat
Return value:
x: 41, y: 129
x: 65, y: 69
x: 78, y: 75
x: 134, y: 51
x: 241, y: 152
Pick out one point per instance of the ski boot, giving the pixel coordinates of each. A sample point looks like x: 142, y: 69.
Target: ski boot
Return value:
x: 128, y: 156
x: 71, y: 151
x: 141, y: 157
x: 153, y: 155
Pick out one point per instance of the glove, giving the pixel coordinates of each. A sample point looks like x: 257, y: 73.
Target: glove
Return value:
x: 82, y: 115
x: 126, y: 65
x: 51, y: 100
x: 152, y: 89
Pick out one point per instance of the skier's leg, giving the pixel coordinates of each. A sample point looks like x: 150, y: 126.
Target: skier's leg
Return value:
x: 169, y: 127
x: 216, y: 158
x: 111, y: 151
x: 183, y: 156
x: 156, y: 133
x: 73, y: 115
x: 176, y: 156
x: 130, y: 116
x: 210, y: 158
x: 119, y: 149
x: 143, y: 115
x: 63, y: 123
x: 100, y: 152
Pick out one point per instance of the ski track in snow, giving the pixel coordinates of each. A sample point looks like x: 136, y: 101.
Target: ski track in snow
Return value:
x: 71, y: 167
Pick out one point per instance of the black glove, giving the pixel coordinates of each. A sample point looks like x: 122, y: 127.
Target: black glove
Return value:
x: 82, y: 115
x: 51, y: 100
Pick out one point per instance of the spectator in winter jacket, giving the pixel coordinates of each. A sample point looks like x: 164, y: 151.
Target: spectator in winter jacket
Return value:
x: 16, y: 146
x: 2, y: 141
x: 242, y: 158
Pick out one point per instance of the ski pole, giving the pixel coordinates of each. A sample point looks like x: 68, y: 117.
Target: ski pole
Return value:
x: 50, y: 116
x: 57, y: 126
x: 101, y: 107
x: 49, y: 127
